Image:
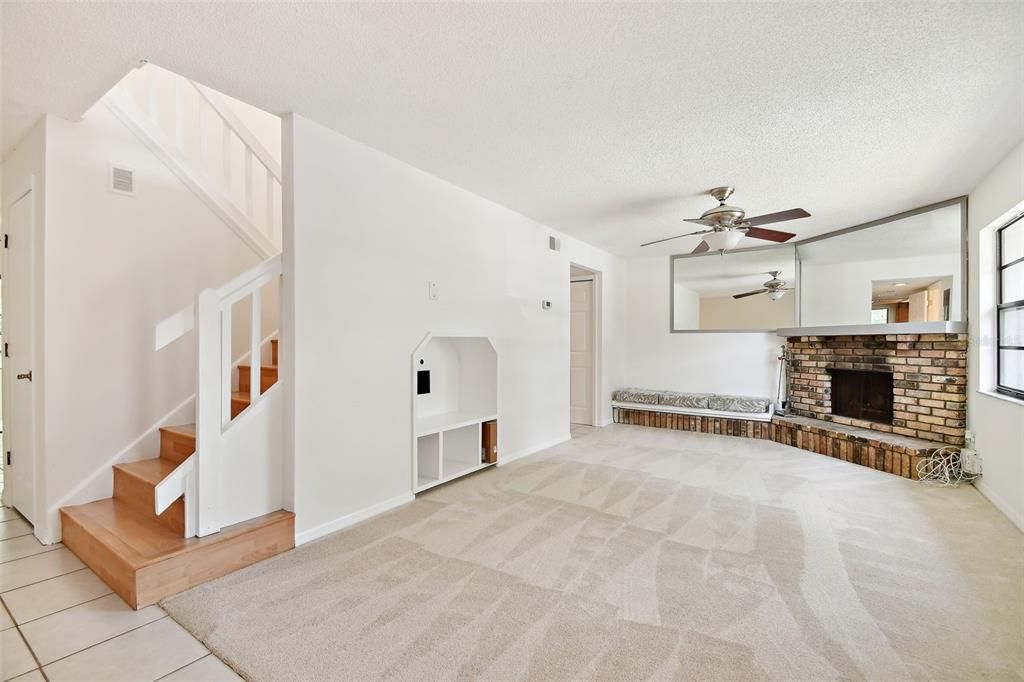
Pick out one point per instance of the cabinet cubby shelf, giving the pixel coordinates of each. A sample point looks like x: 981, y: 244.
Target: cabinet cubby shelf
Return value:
x: 447, y: 421
x: 455, y: 392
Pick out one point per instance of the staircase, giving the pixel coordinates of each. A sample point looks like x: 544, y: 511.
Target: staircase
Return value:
x: 143, y: 556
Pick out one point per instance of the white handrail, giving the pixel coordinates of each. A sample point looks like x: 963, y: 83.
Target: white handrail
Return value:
x: 228, y: 116
x: 173, y: 327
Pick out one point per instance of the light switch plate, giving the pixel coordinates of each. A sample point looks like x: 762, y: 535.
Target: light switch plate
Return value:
x: 432, y: 291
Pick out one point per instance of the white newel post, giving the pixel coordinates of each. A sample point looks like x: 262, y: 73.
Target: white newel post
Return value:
x: 208, y: 411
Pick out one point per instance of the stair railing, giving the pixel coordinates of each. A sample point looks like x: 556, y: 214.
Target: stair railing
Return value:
x: 188, y: 123
x: 198, y: 479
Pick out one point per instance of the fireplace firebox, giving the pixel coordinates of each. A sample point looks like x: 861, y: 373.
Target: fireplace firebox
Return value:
x: 862, y: 394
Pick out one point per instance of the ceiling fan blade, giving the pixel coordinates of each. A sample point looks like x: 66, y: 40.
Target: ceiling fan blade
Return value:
x: 750, y: 293
x: 678, y: 236
x: 768, y: 218
x: 770, y: 235
x: 701, y: 248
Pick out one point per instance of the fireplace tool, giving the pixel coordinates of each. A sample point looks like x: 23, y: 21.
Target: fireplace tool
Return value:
x: 782, y: 393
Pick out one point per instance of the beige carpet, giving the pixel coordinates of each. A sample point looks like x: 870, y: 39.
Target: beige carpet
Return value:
x: 633, y: 553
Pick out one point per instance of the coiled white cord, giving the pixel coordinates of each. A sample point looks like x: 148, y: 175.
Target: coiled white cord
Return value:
x: 944, y: 467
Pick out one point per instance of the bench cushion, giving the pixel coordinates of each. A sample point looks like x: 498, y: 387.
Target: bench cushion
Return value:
x: 739, y: 403
x: 692, y: 400
x: 640, y: 396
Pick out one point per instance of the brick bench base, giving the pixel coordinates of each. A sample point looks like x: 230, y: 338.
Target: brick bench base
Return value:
x: 882, y: 451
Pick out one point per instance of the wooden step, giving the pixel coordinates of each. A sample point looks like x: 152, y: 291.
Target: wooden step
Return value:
x: 268, y: 377
x: 177, y: 443
x: 239, y: 401
x: 143, y: 561
x: 135, y: 485
x: 273, y: 352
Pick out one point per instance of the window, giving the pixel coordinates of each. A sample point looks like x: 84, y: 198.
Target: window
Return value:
x: 879, y: 315
x: 1010, y: 309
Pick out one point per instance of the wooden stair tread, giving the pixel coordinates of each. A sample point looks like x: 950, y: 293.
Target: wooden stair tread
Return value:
x: 181, y: 429
x: 141, y: 541
x: 151, y: 471
x: 246, y: 365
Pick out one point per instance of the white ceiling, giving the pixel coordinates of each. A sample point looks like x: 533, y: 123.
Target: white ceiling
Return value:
x: 606, y: 121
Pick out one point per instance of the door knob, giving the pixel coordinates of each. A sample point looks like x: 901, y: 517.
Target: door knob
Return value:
x: 26, y: 375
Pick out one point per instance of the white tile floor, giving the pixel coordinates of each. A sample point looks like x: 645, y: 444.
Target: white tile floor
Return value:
x: 58, y: 621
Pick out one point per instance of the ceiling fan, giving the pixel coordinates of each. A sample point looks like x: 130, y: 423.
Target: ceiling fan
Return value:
x: 775, y: 288
x: 729, y: 224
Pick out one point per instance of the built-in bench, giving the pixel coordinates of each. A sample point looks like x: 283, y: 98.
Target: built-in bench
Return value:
x: 694, y: 404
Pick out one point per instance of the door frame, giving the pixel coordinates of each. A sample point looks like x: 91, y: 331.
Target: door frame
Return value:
x: 24, y: 188
x: 594, y: 276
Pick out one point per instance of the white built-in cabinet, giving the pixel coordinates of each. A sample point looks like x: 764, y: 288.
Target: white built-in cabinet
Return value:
x: 462, y: 371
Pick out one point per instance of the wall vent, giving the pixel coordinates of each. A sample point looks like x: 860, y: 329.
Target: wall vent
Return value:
x: 122, y: 179
x: 554, y: 243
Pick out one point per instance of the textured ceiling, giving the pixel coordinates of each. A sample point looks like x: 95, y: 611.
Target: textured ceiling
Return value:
x: 606, y: 121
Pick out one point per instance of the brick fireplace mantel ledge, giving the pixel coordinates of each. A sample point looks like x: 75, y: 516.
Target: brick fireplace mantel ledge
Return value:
x: 874, y: 329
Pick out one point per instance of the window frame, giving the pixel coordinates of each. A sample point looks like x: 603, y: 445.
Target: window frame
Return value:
x: 1002, y: 306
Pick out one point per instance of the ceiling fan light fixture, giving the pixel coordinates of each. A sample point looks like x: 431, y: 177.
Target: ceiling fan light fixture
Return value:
x: 723, y: 240
x: 776, y: 294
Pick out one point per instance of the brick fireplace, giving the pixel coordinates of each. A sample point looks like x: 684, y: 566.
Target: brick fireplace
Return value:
x: 843, y: 379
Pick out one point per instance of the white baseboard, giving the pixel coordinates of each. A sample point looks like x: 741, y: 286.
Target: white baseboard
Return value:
x: 352, y: 519
x: 508, y: 459
x: 1016, y: 518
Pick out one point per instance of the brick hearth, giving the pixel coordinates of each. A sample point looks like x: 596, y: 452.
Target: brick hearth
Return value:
x: 887, y: 452
x: 929, y: 380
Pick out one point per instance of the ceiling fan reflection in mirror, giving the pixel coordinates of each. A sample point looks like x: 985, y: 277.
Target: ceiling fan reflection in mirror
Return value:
x: 729, y: 224
x: 775, y: 288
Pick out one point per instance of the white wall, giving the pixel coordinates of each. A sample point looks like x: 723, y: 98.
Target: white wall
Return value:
x: 364, y: 234
x: 739, y: 363
x: 752, y: 312
x: 998, y: 423
x: 115, y: 266
x: 840, y: 293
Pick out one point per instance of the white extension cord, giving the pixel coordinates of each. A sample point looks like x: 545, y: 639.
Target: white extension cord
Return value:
x: 944, y: 467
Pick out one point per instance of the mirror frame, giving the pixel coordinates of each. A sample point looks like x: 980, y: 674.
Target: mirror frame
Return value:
x: 964, y: 283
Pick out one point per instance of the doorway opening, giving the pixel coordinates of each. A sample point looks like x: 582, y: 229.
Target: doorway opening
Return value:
x: 584, y: 346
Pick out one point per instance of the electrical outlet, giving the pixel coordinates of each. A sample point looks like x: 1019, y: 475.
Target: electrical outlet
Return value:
x: 969, y: 439
x: 970, y: 461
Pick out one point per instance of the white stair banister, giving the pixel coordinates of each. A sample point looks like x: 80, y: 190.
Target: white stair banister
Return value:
x: 210, y: 316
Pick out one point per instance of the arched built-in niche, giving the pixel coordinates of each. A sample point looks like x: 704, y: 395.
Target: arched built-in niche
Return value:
x: 455, y: 393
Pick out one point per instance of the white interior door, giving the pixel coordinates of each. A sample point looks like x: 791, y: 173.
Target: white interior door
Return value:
x: 581, y: 352
x: 18, y: 316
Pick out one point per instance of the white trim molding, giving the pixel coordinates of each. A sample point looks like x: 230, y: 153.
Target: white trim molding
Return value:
x: 352, y: 519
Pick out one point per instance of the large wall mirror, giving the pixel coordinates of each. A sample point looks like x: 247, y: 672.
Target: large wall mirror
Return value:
x: 907, y: 269
x: 748, y: 290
